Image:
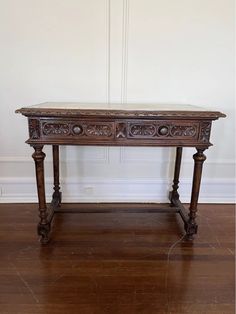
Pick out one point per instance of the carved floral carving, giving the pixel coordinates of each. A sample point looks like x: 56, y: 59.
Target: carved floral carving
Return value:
x: 98, y: 130
x: 183, y: 130
x: 56, y: 129
x: 34, y: 129
x: 142, y: 130
x: 205, y: 132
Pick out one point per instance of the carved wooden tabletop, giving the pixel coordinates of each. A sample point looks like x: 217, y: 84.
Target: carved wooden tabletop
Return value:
x: 119, y: 124
x: 119, y: 110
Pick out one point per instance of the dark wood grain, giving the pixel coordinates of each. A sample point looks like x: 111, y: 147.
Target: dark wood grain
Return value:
x: 122, y: 260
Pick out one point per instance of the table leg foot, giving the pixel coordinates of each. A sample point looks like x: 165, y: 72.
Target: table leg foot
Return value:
x: 191, y: 229
x: 56, y: 199
x: 43, y: 232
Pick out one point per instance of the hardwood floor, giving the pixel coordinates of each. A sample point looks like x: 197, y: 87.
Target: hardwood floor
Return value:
x: 116, y: 261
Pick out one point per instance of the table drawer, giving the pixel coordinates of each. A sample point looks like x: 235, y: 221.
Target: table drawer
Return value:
x: 77, y: 129
x: 157, y: 130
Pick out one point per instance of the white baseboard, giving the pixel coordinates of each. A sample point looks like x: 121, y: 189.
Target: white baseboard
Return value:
x: 23, y: 190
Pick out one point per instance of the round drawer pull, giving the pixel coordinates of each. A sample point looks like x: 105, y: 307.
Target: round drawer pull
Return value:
x: 77, y: 129
x: 163, y: 130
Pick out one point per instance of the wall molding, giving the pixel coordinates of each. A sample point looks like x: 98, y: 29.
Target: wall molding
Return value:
x: 23, y: 190
x: 108, y: 51
x: 127, y: 158
x: 105, y: 158
x: 125, y: 42
x: 101, y: 157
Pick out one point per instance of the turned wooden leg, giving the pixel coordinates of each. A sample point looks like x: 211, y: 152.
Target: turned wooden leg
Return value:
x: 44, y: 224
x: 191, y: 226
x: 174, y: 194
x: 56, y: 197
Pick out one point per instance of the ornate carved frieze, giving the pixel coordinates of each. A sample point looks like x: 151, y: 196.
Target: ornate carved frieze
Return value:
x: 122, y: 129
x: 205, y: 132
x: 34, y: 129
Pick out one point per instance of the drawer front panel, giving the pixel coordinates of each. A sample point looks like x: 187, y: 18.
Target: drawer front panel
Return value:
x: 77, y: 129
x: 157, y: 130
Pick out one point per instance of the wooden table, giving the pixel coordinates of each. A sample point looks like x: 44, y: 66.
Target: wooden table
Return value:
x: 118, y: 125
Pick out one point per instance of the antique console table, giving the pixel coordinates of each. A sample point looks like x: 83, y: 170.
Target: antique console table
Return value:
x: 118, y: 125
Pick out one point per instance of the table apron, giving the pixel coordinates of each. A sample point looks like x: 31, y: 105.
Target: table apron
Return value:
x: 119, y: 132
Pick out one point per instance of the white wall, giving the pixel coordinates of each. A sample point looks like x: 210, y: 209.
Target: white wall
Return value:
x: 118, y: 50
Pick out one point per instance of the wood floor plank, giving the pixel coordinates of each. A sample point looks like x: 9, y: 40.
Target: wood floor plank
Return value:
x: 114, y: 259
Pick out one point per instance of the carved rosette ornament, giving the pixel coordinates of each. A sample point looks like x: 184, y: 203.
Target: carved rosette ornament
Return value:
x: 34, y: 129
x: 163, y: 130
x: 205, y: 132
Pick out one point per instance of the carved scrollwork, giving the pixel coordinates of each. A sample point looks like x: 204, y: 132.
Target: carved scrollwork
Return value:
x: 98, y: 130
x: 205, y: 132
x: 34, y: 129
x: 56, y: 129
x: 183, y: 130
x: 148, y: 130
